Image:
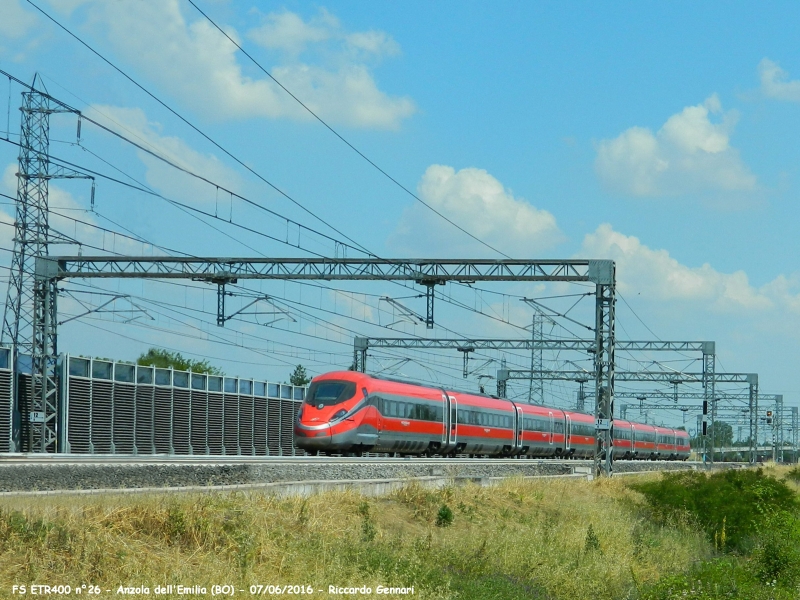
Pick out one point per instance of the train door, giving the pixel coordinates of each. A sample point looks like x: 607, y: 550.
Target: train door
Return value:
x: 551, y: 429
x: 633, y: 441
x: 445, y: 420
x: 453, y: 421
x: 518, y: 429
x: 567, y: 433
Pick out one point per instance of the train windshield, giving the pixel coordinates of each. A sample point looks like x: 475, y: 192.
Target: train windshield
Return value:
x: 329, y: 393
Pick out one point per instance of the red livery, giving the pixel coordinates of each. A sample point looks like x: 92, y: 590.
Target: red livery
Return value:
x: 346, y: 411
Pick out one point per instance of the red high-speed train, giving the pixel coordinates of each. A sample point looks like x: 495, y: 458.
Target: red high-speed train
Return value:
x: 347, y: 412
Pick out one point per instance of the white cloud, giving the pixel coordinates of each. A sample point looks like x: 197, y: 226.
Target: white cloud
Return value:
x: 479, y: 203
x: 133, y: 123
x: 775, y: 82
x: 690, y: 153
x: 196, y: 63
x: 15, y: 22
x: 658, y: 277
x: 377, y: 43
x: 287, y: 31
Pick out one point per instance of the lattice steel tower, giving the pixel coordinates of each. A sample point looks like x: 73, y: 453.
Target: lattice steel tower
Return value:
x: 32, y: 237
x: 536, y: 387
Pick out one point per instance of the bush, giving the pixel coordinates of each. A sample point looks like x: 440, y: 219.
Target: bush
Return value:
x: 776, y: 556
x: 730, y: 506
x: 444, y: 518
x: 794, y: 474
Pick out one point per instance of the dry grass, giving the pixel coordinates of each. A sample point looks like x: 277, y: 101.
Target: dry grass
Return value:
x: 541, y: 539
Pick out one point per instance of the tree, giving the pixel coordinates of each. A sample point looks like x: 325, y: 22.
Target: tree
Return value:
x: 721, y: 433
x: 299, y: 376
x: 164, y: 359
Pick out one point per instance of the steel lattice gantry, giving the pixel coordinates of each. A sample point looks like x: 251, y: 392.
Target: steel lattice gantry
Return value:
x: 49, y: 270
x: 708, y: 378
x: 362, y: 344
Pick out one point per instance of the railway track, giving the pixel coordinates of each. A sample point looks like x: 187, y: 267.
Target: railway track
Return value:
x: 164, y: 459
x: 22, y: 474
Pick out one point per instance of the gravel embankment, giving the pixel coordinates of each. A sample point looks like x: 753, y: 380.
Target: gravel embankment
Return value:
x: 93, y: 476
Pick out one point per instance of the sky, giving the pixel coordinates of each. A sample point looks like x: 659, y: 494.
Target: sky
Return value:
x: 662, y: 136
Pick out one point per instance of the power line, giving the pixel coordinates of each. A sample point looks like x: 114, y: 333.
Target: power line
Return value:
x: 338, y: 135
x: 147, y: 190
x: 198, y: 130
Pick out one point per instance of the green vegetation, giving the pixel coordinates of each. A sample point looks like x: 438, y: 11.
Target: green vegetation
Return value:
x: 753, y: 521
x: 164, y: 359
x: 720, y: 434
x: 729, y: 535
x: 299, y: 376
x: 794, y: 474
x: 730, y: 506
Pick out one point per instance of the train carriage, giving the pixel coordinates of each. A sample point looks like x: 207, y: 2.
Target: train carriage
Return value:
x: 682, y: 447
x: 485, y: 425
x: 644, y: 441
x: 666, y: 447
x: 348, y: 412
x: 623, y: 438
x: 542, y: 431
x: 581, y: 434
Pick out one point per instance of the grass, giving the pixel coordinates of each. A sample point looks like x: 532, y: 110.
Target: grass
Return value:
x: 543, y: 539
x: 547, y: 539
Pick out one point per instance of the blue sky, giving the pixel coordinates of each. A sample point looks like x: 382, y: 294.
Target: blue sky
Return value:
x: 661, y: 135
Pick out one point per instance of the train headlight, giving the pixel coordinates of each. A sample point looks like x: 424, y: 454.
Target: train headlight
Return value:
x: 339, y: 414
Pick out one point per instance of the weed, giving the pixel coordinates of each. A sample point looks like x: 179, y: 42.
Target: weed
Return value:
x: 592, y: 543
x: 444, y: 518
x: 368, y: 530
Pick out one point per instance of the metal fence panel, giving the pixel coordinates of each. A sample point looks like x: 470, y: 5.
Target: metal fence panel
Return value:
x: 163, y: 424
x: 199, y: 433
x: 145, y: 396
x: 102, y: 416
x: 79, y: 414
x: 181, y: 420
x: 246, y: 404
x: 215, y: 423
x: 6, y: 410
x: 124, y: 411
x: 121, y: 408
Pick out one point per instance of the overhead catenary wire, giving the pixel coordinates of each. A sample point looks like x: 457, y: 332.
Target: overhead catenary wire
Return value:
x: 345, y: 141
x: 216, y: 144
x: 242, y: 164
x: 185, y: 170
